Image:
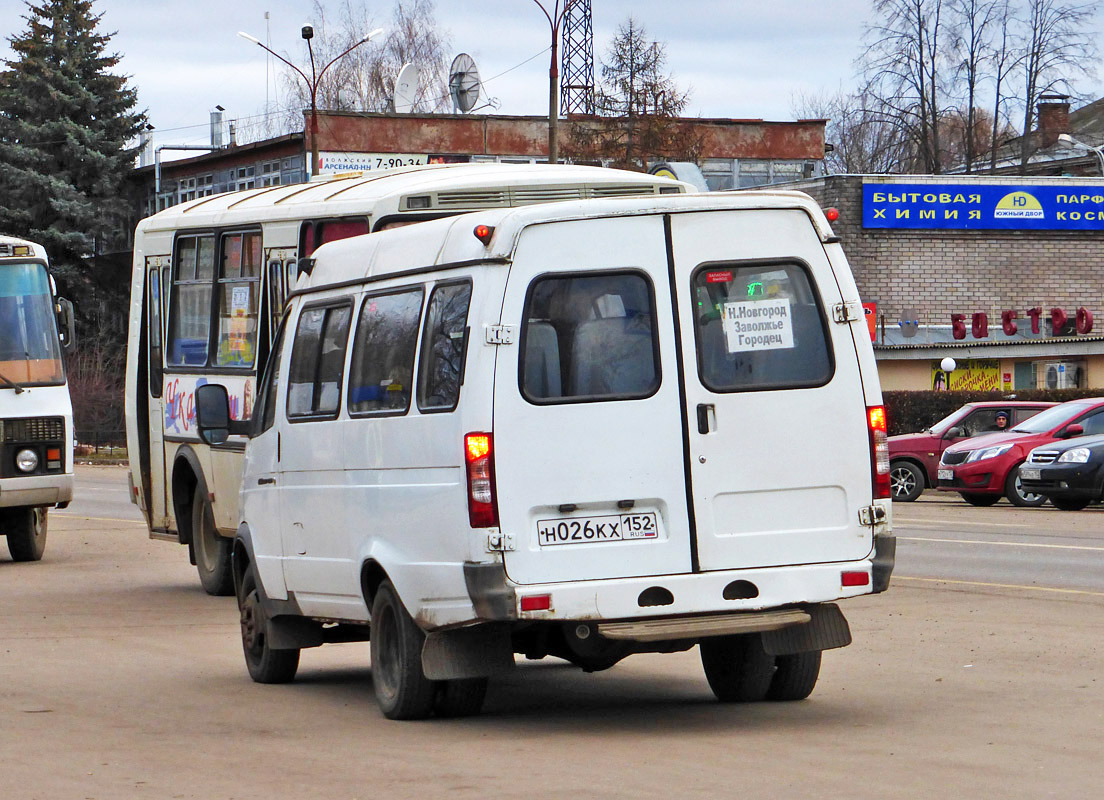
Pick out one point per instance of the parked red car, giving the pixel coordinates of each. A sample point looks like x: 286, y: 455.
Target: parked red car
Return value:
x: 986, y: 468
x: 914, y: 457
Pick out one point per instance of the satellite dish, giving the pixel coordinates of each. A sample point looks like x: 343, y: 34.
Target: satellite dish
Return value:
x: 463, y: 83
x: 406, y: 89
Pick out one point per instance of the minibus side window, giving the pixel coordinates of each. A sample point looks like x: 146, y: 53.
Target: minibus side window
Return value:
x: 382, y: 371
x: 759, y: 326
x: 443, y: 344
x: 318, y: 362
x: 589, y: 337
x: 190, y: 304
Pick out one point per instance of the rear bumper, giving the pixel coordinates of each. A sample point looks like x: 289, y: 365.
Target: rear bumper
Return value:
x: 495, y: 598
x: 36, y: 490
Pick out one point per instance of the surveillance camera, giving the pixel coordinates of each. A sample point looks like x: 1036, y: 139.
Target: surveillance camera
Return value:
x: 308, y: 32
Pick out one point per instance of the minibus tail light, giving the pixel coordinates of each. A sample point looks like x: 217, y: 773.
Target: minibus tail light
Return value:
x: 879, y: 451
x: 479, y: 459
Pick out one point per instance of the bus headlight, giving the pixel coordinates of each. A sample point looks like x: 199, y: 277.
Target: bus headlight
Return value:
x: 26, y: 460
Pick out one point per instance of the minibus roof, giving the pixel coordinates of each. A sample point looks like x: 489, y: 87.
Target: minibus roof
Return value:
x: 450, y: 188
x: 453, y: 240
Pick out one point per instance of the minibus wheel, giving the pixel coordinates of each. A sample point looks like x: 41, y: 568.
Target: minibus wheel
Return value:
x: 402, y: 689
x: 795, y: 676
x: 737, y: 667
x: 26, y: 529
x: 212, y: 552
x: 265, y: 664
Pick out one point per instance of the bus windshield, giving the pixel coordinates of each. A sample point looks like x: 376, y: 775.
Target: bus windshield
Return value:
x: 30, y: 353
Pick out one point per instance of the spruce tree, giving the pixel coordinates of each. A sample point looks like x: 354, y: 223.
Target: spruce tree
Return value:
x: 65, y: 120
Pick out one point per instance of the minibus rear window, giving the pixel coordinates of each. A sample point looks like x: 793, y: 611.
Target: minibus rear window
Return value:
x: 589, y: 337
x: 759, y: 326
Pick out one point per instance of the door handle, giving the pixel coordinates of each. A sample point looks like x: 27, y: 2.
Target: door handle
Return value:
x: 265, y: 481
x: 707, y: 418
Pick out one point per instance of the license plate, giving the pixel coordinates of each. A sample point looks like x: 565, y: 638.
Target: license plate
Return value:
x: 590, y: 530
x: 1030, y: 473
x: 946, y: 474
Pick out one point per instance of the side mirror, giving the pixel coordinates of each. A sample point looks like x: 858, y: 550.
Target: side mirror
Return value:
x: 953, y: 432
x: 213, y: 421
x: 1072, y: 430
x: 67, y: 330
x: 304, y: 266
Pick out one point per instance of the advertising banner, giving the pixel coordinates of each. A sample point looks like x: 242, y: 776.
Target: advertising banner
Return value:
x: 979, y: 374
x: 333, y: 163
x: 969, y: 206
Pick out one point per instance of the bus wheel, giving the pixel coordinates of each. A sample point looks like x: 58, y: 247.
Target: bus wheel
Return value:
x: 265, y: 664
x: 26, y: 529
x: 212, y: 552
x: 402, y: 689
x: 795, y: 677
x: 737, y: 667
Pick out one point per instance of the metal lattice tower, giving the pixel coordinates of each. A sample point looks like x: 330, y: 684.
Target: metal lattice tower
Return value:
x: 577, y: 60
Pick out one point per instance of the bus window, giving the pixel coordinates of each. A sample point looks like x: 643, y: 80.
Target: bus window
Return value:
x: 239, y: 299
x: 190, y: 307
x: 316, y: 234
x: 277, y: 294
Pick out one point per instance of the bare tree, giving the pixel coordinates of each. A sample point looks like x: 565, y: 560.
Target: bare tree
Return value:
x: 972, y: 24
x: 903, y: 70
x: 1057, y: 45
x: 864, y: 140
x: 364, y: 80
x: 1002, y: 62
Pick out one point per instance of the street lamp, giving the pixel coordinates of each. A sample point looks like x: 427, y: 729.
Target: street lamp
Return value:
x: 1067, y: 139
x: 314, y: 80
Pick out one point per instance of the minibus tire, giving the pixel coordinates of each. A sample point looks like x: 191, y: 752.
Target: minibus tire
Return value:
x: 265, y: 665
x: 795, y: 676
x: 737, y: 667
x: 212, y: 552
x: 402, y: 689
x: 460, y: 698
x: 26, y: 529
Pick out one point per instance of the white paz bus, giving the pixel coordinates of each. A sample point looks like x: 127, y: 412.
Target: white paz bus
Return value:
x: 208, y: 289
x: 36, y: 416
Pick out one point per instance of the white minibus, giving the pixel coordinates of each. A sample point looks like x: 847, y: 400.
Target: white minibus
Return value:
x: 36, y: 415
x: 584, y: 430
x: 209, y: 283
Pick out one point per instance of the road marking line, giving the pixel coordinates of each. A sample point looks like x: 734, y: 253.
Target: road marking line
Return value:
x: 63, y: 515
x: 923, y: 523
x: 1000, y: 585
x: 1000, y: 544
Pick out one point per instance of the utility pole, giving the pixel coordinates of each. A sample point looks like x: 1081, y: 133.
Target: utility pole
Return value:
x: 555, y: 17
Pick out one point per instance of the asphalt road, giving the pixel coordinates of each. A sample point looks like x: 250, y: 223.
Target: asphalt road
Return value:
x: 120, y: 678
x: 1043, y: 549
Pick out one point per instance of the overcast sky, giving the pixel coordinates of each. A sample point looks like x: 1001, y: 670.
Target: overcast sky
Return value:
x: 740, y: 58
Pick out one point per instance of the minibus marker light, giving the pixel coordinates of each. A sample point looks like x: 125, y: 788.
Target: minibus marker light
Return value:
x: 484, y: 233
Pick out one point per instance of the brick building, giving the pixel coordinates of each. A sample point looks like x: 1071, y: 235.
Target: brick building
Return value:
x: 736, y: 153
x: 1002, y: 252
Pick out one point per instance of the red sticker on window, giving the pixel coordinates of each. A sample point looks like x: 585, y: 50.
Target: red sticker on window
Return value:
x: 718, y: 277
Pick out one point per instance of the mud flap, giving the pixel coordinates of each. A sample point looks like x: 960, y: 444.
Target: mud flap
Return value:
x: 827, y: 630
x: 476, y: 652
